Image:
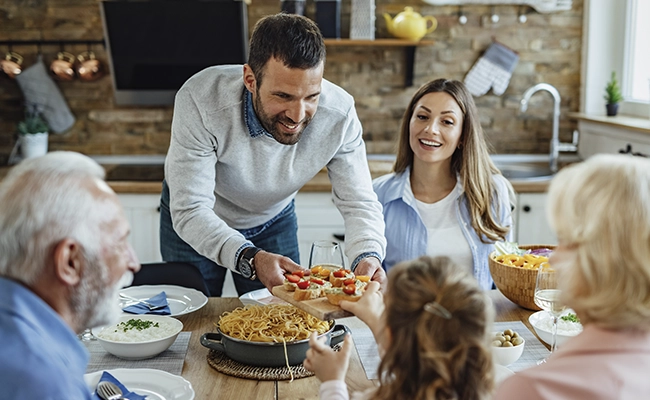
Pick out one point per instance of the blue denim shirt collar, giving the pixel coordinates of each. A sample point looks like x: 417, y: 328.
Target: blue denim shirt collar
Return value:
x: 253, y: 124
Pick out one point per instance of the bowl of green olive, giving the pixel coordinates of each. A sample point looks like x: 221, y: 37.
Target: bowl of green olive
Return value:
x: 507, y: 347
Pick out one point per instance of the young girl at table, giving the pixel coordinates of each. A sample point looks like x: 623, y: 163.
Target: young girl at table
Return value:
x: 445, y: 196
x: 432, y: 329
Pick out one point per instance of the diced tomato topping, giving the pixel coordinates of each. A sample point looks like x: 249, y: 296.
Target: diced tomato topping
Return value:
x: 339, y: 273
x: 349, y: 289
x: 307, y: 272
x: 303, y: 284
x: 363, y: 278
x: 318, y: 281
x: 316, y: 269
x: 299, y: 273
x: 349, y: 281
x: 293, y: 278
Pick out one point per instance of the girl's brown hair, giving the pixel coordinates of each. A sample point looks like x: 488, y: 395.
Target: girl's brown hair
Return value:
x: 439, y: 322
x: 471, y: 160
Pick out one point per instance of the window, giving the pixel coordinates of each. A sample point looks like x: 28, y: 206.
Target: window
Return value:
x: 636, y: 72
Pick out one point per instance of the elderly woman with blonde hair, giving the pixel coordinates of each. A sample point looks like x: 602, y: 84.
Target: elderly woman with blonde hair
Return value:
x: 600, y: 211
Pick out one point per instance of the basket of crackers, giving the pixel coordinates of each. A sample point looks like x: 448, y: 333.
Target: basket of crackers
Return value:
x: 514, y: 270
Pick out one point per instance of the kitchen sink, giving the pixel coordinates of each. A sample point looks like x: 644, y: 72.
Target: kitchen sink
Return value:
x: 525, y: 170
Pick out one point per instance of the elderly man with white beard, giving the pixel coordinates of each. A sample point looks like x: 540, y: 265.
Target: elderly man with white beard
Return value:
x: 64, y: 255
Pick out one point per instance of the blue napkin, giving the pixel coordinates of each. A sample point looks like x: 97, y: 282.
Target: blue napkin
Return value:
x: 157, y: 300
x: 125, y: 392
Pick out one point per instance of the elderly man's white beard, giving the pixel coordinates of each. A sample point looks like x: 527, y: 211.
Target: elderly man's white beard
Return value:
x: 95, y: 302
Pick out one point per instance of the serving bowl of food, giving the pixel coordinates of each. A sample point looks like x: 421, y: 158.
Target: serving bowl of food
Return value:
x: 507, y: 347
x: 282, y: 339
x: 568, y: 326
x: 138, y: 337
x: 514, y: 271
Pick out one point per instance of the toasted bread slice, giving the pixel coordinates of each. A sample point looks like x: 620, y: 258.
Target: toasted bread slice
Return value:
x: 343, y: 274
x: 336, y: 294
x: 311, y: 292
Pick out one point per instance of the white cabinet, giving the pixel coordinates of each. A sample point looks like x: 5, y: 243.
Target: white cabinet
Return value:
x: 318, y: 219
x: 141, y: 211
x: 597, y: 137
x: 532, y: 226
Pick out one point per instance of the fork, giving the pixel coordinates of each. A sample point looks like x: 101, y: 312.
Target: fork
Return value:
x: 149, y: 305
x: 109, y: 391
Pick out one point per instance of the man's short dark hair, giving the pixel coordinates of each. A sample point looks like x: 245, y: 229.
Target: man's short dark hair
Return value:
x: 293, y: 39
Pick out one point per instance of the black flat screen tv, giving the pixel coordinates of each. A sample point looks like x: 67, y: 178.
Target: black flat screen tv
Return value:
x: 154, y: 46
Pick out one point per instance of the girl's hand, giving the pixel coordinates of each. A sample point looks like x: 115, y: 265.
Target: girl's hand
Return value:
x: 327, y: 364
x: 369, y: 308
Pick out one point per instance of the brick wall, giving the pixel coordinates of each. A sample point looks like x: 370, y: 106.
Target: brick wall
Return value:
x: 549, y: 46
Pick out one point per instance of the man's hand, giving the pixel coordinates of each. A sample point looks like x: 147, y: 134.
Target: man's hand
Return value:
x: 371, y: 266
x: 327, y: 364
x: 271, y: 268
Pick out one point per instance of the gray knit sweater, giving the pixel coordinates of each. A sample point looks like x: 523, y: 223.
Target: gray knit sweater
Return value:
x: 221, y: 179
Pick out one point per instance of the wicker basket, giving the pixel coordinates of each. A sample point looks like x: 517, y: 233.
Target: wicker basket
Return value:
x: 517, y: 284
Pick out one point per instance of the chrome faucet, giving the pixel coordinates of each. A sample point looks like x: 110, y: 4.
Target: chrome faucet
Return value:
x: 556, y: 146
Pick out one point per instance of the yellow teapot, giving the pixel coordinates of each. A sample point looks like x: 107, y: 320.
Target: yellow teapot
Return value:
x: 410, y: 25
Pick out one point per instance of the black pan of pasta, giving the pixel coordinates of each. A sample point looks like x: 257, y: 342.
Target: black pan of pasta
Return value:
x: 269, y: 336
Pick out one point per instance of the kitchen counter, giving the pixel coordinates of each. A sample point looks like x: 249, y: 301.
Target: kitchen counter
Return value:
x: 145, y: 178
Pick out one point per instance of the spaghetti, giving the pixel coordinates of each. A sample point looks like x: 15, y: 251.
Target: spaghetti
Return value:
x: 270, y: 323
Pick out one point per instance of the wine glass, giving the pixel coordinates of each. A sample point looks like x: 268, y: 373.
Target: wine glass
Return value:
x: 326, y: 253
x: 86, y: 335
x: 547, y: 297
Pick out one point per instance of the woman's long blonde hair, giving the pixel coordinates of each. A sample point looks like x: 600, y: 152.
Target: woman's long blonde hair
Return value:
x: 431, y: 356
x: 471, y: 160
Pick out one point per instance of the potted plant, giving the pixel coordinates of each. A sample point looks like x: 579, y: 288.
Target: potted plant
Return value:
x: 33, y: 133
x: 613, y: 95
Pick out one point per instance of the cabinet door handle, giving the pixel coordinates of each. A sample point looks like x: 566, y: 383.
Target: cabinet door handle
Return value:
x: 526, y: 208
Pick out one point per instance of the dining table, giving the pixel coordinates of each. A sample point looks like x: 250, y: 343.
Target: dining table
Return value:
x: 208, y: 383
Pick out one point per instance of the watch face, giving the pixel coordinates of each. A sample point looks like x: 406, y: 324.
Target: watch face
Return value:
x: 245, y: 269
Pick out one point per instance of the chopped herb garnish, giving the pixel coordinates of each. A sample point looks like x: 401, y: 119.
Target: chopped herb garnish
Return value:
x: 570, y: 317
x: 138, y: 324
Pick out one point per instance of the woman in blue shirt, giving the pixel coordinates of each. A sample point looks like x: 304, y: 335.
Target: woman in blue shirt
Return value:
x: 445, y: 196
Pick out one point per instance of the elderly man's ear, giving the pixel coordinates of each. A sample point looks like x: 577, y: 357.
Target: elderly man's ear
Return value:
x: 68, y: 261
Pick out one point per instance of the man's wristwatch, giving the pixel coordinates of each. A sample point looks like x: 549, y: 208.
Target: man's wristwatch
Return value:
x: 246, y: 265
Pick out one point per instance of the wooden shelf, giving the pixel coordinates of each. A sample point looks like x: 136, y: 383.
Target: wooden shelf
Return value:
x: 378, y: 42
x: 409, y: 46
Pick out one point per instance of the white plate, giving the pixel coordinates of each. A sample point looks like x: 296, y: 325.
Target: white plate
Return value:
x: 153, y: 383
x: 181, y: 300
x: 500, y: 373
x: 260, y: 297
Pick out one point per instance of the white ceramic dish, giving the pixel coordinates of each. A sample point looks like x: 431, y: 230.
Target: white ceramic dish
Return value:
x: 507, y: 355
x: 546, y: 335
x: 181, y: 300
x: 143, y: 349
x: 153, y: 383
x: 501, y: 373
x: 260, y: 297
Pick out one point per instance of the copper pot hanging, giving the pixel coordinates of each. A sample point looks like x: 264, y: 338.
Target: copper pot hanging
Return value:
x: 11, y: 65
x: 89, y: 68
x: 63, y: 67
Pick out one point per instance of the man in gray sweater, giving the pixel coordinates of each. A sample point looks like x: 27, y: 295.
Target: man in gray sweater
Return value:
x: 242, y: 146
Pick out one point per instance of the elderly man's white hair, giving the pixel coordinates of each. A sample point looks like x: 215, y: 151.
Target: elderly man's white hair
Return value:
x: 42, y: 201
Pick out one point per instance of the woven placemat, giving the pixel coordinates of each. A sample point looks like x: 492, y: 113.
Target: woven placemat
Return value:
x: 226, y: 365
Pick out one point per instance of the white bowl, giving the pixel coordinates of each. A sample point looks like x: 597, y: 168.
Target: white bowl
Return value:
x: 141, y: 347
x: 507, y: 355
x: 538, y: 318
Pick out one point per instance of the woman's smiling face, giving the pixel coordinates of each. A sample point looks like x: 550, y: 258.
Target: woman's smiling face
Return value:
x: 435, y: 128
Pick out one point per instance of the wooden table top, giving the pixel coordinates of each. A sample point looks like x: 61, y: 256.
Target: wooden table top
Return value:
x: 208, y: 383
